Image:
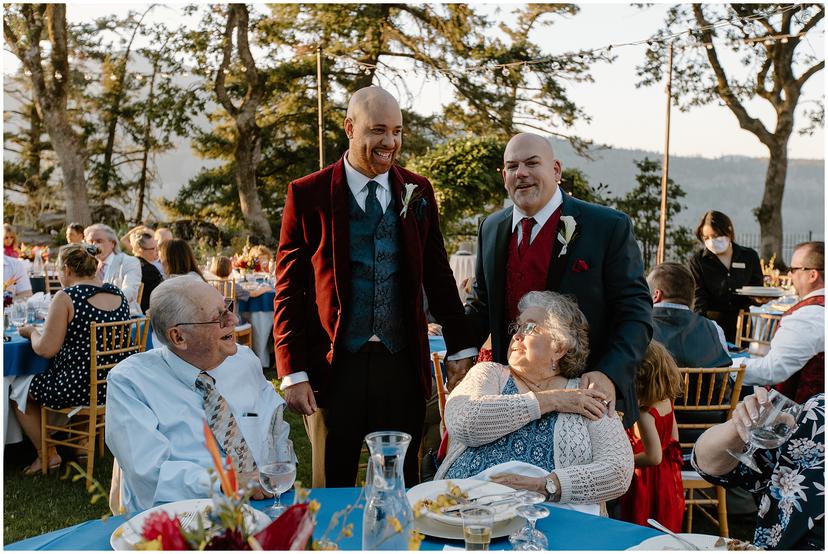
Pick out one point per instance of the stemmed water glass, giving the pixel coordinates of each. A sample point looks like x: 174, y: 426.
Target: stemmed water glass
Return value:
x: 524, y: 533
x: 534, y: 539
x: 775, y: 424
x: 277, y: 474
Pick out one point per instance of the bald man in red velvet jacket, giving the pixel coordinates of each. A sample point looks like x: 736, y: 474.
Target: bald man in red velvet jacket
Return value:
x: 360, y: 241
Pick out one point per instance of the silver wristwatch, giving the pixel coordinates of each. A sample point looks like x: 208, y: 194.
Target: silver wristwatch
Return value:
x: 551, y: 487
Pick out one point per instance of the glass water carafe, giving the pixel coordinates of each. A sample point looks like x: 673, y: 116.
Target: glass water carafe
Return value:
x: 386, y: 522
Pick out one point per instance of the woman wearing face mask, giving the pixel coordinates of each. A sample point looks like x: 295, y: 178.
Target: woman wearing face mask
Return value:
x: 720, y: 268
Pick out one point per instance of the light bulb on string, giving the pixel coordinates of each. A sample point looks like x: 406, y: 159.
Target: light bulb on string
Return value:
x: 27, y: 73
x: 58, y: 75
x: 768, y: 42
x: 505, y: 71
x: 113, y: 77
x: 784, y: 40
x: 709, y: 46
x: 226, y: 71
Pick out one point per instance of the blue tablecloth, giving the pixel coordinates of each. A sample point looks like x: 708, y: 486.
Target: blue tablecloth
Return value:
x: 565, y: 529
x: 20, y: 359
x: 263, y: 303
x: 436, y: 343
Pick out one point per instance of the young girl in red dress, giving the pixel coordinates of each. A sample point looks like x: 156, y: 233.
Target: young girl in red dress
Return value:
x: 656, y: 490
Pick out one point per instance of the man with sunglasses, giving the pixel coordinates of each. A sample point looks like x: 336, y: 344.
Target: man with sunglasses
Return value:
x: 158, y: 401
x: 795, y: 363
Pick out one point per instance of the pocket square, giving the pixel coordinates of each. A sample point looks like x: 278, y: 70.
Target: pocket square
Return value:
x: 579, y: 266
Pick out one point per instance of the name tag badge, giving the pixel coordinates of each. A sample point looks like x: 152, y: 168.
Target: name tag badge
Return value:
x: 738, y: 265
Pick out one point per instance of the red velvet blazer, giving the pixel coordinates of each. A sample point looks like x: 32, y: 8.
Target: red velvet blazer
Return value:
x: 313, y: 275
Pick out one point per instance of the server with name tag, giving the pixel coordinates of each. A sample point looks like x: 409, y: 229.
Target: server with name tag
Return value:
x: 721, y: 267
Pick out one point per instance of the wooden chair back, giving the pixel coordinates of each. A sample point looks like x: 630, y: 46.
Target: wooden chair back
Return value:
x: 227, y: 287
x: 441, y: 388
x: 52, y: 281
x: 111, y: 342
x: 708, y: 390
x: 755, y: 331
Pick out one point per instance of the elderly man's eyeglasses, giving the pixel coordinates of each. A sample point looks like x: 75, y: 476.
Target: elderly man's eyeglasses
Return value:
x: 795, y: 269
x: 525, y: 329
x: 225, y: 319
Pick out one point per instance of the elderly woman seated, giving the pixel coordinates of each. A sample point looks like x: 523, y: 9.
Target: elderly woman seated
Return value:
x: 533, y: 412
x: 66, y: 340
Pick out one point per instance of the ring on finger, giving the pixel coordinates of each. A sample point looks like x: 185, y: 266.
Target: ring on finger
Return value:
x: 605, y: 403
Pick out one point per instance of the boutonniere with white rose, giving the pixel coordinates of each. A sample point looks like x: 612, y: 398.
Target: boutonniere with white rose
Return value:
x: 566, y: 234
x: 407, y: 197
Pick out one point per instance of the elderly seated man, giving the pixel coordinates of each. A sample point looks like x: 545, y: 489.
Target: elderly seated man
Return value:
x: 116, y: 268
x: 157, y: 401
x: 795, y: 362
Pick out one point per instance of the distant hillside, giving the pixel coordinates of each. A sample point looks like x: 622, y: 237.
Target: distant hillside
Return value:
x: 731, y: 184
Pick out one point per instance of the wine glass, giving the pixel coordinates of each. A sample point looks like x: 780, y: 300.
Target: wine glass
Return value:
x: 18, y: 314
x: 775, y: 424
x: 525, y: 532
x: 277, y: 474
x: 535, y: 539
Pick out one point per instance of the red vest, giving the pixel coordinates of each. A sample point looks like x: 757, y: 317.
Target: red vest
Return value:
x: 529, y: 270
x: 809, y: 380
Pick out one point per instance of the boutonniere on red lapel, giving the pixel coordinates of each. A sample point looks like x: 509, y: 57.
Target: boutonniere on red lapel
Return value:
x: 579, y: 266
x: 411, y: 198
x: 566, y: 234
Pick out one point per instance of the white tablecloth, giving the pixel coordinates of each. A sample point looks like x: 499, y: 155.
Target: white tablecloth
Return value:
x: 11, y: 429
x: 262, y: 323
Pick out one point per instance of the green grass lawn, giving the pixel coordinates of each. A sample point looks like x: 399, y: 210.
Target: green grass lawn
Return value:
x: 36, y: 505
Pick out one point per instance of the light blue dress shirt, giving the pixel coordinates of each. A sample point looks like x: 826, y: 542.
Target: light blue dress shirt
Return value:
x: 155, y: 415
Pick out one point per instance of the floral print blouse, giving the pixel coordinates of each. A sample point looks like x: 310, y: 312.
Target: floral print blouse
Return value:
x: 790, y: 490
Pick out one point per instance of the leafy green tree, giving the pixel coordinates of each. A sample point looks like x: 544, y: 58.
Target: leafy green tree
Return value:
x: 774, y: 46
x: 643, y: 205
x: 25, y: 27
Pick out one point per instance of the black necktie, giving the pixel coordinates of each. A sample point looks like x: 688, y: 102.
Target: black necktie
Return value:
x: 372, y: 206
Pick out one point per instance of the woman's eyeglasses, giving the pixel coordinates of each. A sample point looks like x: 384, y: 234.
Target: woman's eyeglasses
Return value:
x: 528, y: 328
x: 225, y: 318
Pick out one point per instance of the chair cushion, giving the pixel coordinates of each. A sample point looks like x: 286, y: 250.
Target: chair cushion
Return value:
x: 243, y: 327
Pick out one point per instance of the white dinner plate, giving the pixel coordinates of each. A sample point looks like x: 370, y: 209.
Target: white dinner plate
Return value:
x: 475, y: 488
x: 130, y: 531
x: 666, y: 542
x: 769, y: 292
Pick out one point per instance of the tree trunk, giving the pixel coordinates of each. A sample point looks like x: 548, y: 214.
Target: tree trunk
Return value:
x: 142, y: 180
x: 769, y: 213
x: 246, y: 155
x: 69, y: 151
x: 34, y: 150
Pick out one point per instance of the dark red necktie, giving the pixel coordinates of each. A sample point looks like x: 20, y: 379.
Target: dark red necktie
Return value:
x: 526, y: 225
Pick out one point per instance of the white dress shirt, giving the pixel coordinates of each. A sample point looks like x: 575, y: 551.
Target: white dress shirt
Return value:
x: 155, y: 415
x: 800, y: 337
x: 15, y: 269
x: 540, y: 218
x: 124, y: 272
x: 719, y: 330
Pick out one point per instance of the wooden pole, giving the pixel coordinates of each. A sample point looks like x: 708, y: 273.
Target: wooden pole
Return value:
x: 662, y: 220
x: 320, y: 119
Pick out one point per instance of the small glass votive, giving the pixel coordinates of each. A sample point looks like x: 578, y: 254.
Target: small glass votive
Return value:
x: 477, y: 527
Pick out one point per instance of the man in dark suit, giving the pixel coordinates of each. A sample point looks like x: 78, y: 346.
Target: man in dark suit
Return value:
x: 551, y: 241
x: 360, y: 241
x: 692, y: 339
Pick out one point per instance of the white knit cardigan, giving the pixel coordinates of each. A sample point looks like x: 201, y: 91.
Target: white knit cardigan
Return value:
x: 593, y: 459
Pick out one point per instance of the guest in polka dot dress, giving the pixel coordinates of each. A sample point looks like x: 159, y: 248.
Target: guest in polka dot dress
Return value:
x: 65, y: 340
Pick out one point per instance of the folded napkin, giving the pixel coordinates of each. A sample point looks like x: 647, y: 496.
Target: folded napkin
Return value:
x: 530, y: 470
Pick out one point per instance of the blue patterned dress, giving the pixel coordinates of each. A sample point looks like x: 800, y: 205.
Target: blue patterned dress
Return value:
x: 532, y: 443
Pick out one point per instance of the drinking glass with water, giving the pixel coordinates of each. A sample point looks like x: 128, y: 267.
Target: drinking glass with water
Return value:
x: 19, y: 314
x: 775, y: 424
x: 278, y: 473
x: 477, y: 527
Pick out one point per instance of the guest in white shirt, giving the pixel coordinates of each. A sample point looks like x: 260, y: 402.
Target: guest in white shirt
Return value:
x: 14, y: 273
x: 797, y: 349
x: 155, y: 411
x: 117, y: 268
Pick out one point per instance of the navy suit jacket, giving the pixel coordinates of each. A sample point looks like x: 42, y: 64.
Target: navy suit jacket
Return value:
x: 602, y: 269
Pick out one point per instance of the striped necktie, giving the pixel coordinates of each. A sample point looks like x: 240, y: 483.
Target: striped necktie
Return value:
x: 223, y: 424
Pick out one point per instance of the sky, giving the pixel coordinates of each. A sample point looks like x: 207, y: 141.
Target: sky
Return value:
x: 622, y: 115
